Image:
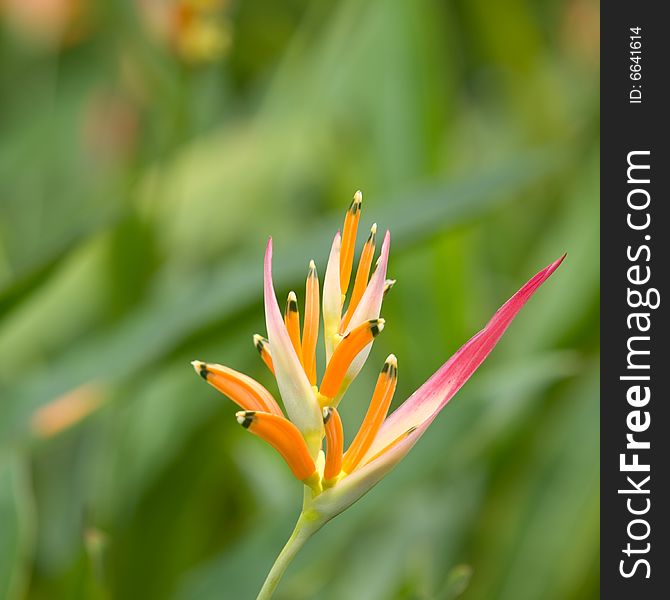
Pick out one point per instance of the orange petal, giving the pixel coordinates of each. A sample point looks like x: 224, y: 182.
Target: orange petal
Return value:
x: 292, y: 321
x: 349, y: 240
x: 310, y: 331
x: 263, y: 347
x: 377, y: 411
x: 246, y: 392
x: 344, y: 354
x: 284, y: 437
x: 334, y: 445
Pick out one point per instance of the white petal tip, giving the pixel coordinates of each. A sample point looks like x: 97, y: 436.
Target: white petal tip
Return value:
x: 377, y: 326
x: 200, y: 368
x: 245, y: 417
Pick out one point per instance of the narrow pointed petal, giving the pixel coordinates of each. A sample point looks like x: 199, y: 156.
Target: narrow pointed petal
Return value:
x: 406, y: 425
x: 388, y: 285
x: 377, y: 411
x: 347, y: 350
x: 284, y: 437
x: 296, y: 392
x: 246, y: 392
x: 263, y: 347
x: 292, y: 322
x: 310, y: 330
x: 332, y: 297
x: 334, y: 445
x: 349, y: 240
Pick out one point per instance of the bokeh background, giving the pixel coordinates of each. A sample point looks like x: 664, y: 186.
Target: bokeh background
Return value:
x: 147, y: 150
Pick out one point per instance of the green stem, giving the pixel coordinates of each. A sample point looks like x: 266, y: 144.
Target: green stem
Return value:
x: 302, y: 532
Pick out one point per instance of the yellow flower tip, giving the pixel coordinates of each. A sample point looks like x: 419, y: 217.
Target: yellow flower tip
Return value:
x: 356, y: 202
x: 245, y: 418
x: 292, y: 302
x: 312, y: 266
x: 391, y: 367
x: 200, y: 368
x: 292, y: 322
x: 263, y: 346
x: 376, y: 326
x: 388, y: 284
x: 373, y: 231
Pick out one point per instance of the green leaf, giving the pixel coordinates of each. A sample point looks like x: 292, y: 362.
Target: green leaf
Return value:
x: 18, y: 526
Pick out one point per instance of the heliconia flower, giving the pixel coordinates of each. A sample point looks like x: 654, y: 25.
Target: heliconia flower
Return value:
x: 336, y: 478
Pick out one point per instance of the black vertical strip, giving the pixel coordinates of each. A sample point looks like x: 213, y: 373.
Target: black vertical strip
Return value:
x: 635, y: 245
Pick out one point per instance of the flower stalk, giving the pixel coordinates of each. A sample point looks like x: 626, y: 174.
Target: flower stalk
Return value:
x: 305, y: 527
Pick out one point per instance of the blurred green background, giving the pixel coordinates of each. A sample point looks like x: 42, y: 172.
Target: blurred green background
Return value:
x: 148, y: 149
